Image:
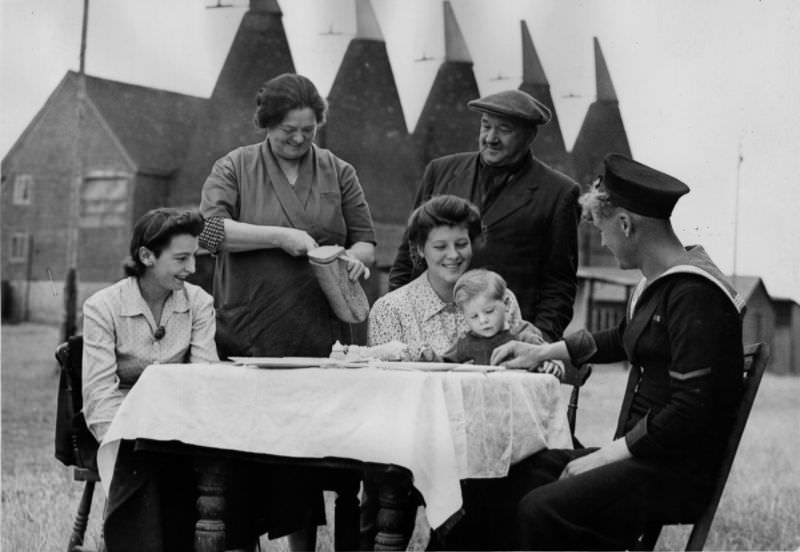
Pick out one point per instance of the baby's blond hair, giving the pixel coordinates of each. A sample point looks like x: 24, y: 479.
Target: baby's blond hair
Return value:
x: 478, y: 281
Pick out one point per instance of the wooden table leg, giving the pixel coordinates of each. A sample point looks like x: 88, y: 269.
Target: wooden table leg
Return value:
x: 209, y: 532
x: 346, y: 516
x: 395, y: 516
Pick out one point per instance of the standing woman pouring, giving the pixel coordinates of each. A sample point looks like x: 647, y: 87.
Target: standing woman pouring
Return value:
x: 266, y: 206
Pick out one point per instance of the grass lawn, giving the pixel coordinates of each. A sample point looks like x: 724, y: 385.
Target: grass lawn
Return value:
x: 759, y: 510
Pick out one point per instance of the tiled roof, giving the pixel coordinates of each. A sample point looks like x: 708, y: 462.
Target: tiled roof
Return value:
x: 152, y: 125
x: 445, y: 124
x: 746, y: 285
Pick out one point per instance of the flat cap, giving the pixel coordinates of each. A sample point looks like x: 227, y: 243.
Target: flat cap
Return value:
x: 639, y: 188
x: 514, y: 104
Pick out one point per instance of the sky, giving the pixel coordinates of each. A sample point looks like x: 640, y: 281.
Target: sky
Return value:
x: 699, y: 82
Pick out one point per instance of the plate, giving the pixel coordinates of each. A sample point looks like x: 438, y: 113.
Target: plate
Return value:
x: 284, y: 362
x: 434, y: 366
x: 323, y: 362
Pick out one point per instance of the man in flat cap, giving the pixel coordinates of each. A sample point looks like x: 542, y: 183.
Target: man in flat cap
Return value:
x: 530, y: 211
x: 682, y: 336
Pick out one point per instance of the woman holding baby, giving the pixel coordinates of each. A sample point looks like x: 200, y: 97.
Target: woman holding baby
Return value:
x: 422, y: 314
x: 440, y: 315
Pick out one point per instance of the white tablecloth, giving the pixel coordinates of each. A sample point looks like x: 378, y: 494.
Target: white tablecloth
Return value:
x: 442, y: 426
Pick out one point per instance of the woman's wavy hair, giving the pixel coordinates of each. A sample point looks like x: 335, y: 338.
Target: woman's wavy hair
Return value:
x: 280, y: 95
x: 155, y: 229
x: 442, y: 210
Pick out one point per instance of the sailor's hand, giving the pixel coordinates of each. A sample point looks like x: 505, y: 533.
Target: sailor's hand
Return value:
x: 516, y: 354
x: 554, y: 367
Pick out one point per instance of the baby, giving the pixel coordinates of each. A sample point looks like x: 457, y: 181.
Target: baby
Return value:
x: 479, y: 294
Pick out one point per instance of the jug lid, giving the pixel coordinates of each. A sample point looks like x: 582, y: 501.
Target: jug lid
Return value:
x: 325, y: 253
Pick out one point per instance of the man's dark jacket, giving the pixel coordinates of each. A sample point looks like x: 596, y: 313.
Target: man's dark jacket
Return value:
x: 531, y: 236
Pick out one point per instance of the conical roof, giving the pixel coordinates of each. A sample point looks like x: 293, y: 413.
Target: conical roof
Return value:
x: 605, y: 88
x: 549, y: 144
x: 366, y: 126
x: 445, y: 124
x: 601, y: 133
x: 367, y: 26
x: 155, y: 134
x: 259, y: 52
x: 455, y: 47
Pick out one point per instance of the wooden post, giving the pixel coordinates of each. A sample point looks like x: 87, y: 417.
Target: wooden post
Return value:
x: 346, y: 514
x: 76, y: 188
x: 84, y: 25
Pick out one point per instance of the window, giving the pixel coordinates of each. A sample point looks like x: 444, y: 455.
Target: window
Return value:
x: 104, y: 201
x: 23, y: 186
x: 19, y: 247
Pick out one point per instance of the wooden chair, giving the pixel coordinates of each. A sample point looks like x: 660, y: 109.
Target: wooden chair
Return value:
x: 755, y: 362
x: 74, y: 444
x: 575, y: 376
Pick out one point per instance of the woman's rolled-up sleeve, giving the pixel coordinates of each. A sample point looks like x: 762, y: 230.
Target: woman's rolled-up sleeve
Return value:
x: 219, y: 200
x: 213, y: 234
x: 203, y: 348
x: 220, y: 194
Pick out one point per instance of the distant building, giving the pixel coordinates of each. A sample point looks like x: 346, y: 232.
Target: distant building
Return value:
x: 132, y: 140
x: 759, y: 319
x: 604, y: 292
x: 786, y: 343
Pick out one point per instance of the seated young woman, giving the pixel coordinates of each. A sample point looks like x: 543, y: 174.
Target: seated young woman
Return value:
x: 151, y: 316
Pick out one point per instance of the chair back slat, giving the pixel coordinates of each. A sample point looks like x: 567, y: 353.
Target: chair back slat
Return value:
x: 74, y: 443
x: 756, y: 357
